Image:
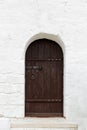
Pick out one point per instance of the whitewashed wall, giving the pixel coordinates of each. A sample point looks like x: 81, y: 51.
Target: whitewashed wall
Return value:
x: 22, y: 21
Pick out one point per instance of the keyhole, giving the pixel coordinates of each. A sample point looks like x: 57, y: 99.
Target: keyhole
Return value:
x: 32, y: 76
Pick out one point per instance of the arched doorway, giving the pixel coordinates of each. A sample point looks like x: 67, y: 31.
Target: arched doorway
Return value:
x: 44, y: 79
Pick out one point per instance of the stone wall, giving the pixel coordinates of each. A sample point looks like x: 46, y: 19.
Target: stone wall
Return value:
x: 22, y: 21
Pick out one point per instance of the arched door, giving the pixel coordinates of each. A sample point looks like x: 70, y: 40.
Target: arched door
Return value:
x: 44, y: 79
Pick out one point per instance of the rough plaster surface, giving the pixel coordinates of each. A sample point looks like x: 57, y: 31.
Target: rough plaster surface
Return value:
x: 4, y: 124
x: 20, y: 21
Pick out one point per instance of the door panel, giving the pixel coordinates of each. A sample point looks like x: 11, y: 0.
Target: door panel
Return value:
x: 44, y: 79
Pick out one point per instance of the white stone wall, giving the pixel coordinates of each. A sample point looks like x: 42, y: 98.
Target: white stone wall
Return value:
x: 4, y: 124
x: 20, y: 22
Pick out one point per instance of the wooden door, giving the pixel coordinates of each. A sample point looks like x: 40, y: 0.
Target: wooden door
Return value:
x: 44, y: 79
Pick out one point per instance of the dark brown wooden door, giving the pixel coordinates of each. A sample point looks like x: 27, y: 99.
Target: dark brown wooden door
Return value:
x: 44, y: 79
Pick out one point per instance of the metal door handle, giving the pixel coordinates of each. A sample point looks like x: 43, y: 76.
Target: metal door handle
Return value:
x: 34, y: 67
x: 37, y: 67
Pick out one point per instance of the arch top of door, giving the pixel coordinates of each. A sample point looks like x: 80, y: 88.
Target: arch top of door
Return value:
x: 53, y: 37
x: 50, y: 47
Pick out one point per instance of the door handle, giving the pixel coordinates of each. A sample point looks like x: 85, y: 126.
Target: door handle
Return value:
x: 34, y: 67
x: 37, y: 67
